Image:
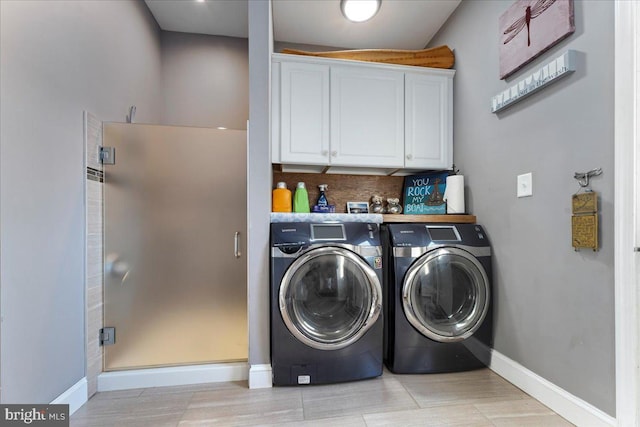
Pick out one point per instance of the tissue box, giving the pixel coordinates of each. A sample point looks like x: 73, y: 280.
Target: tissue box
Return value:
x: 423, y: 194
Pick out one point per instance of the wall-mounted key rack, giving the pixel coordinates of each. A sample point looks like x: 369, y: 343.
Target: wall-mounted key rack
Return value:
x: 552, y: 72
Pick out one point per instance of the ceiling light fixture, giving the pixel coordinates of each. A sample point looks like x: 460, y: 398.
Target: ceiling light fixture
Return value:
x: 359, y: 10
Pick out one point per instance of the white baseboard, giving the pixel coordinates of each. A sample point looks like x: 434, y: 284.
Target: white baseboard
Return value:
x: 260, y: 376
x: 75, y: 396
x: 172, y: 376
x: 574, y: 409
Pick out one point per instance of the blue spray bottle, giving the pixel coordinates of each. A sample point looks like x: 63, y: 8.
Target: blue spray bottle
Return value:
x: 322, y: 198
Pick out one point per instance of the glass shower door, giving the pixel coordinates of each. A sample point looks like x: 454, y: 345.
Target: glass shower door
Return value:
x: 175, y: 230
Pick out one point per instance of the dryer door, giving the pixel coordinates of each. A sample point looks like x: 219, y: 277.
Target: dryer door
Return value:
x: 445, y: 294
x: 329, y: 297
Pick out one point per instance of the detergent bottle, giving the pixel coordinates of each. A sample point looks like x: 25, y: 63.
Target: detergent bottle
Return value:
x: 301, y: 199
x: 281, y: 198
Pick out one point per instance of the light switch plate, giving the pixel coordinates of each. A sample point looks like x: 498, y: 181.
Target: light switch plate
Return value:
x: 525, y: 185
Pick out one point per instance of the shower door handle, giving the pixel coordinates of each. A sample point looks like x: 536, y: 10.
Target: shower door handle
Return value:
x: 236, y: 245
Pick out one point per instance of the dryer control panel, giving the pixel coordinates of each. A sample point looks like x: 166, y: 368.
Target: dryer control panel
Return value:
x: 425, y: 234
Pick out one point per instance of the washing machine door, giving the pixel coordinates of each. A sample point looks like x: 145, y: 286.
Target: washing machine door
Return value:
x: 329, y: 297
x: 445, y: 294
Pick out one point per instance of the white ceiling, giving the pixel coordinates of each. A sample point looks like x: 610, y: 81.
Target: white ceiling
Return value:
x: 400, y: 24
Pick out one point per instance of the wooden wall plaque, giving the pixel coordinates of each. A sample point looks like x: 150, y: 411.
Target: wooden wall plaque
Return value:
x: 584, y: 203
x: 584, y: 231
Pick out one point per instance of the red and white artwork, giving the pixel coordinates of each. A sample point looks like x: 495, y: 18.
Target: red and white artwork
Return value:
x: 530, y: 27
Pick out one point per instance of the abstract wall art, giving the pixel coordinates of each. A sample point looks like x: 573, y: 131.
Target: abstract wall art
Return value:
x: 530, y: 27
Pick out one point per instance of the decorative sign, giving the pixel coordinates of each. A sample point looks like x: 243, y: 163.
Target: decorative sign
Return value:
x: 584, y: 222
x: 550, y: 73
x: 423, y: 194
x: 530, y: 27
x: 584, y: 203
x: 584, y: 231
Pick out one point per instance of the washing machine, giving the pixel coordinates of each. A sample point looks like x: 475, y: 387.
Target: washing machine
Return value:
x: 326, y: 302
x: 437, y: 297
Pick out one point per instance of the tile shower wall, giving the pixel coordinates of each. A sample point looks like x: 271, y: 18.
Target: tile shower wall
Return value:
x: 94, y: 249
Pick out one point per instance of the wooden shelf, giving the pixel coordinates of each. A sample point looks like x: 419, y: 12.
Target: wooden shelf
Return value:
x: 460, y: 219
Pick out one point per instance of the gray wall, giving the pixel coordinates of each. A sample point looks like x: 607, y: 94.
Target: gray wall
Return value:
x: 554, y: 307
x: 205, y: 80
x: 58, y: 58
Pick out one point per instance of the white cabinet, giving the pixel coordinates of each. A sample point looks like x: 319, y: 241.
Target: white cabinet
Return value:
x: 337, y: 114
x: 367, y: 119
x: 429, y: 121
x: 304, y: 109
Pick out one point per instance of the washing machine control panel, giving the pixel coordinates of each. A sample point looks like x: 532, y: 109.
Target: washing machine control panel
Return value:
x: 292, y: 236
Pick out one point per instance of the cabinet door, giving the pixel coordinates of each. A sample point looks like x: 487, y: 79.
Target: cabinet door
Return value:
x: 304, y: 120
x: 367, y: 117
x: 429, y: 121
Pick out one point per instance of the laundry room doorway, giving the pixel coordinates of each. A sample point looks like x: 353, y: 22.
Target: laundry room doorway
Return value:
x: 175, y: 284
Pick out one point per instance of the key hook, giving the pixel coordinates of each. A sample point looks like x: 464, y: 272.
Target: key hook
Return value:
x: 583, y: 177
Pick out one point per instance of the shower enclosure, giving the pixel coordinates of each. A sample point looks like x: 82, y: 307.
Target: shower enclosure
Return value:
x: 175, y: 286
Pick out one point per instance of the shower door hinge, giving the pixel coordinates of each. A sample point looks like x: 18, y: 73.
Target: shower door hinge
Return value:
x: 107, y: 336
x: 107, y: 155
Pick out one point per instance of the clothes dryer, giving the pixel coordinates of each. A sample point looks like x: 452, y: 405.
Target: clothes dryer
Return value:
x: 326, y: 301
x: 437, y: 297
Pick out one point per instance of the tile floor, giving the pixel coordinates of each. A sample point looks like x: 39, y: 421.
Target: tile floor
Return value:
x: 474, y: 398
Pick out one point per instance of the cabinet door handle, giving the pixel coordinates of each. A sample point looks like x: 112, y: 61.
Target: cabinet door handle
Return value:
x: 236, y: 245
x: 409, y: 157
x: 334, y: 153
